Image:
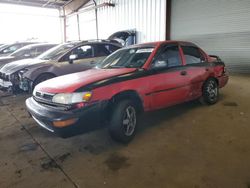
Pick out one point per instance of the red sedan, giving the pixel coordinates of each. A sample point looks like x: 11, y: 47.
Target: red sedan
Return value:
x: 140, y: 78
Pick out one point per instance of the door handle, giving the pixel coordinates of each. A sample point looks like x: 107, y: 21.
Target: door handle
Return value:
x: 92, y: 62
x: 183, y: 73
x: 207, y: 69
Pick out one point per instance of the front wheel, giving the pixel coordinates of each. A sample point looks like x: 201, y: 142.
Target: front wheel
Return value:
x: 123, y: 122
x: 210, y: 91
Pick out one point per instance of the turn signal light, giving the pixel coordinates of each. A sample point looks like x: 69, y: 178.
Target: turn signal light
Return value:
x: 87, y: 96
x: 65, y: 122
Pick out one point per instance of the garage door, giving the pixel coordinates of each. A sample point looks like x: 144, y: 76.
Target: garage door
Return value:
x: 221, y: 27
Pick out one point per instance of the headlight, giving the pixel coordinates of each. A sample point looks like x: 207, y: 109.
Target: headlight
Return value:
x: 71, y: 98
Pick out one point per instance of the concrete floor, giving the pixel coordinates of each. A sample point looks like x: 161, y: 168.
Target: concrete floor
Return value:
x: 189, y: 145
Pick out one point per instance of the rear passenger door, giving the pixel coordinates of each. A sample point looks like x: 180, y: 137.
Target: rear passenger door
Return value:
x: 169, y: 80
x: 197, y: 68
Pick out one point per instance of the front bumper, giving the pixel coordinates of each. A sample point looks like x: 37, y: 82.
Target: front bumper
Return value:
x: 88, y: 117
x: 5, y: 84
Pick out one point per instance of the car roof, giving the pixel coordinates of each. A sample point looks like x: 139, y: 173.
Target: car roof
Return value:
x: 94, y: 41
x: 37, y: 45
x: 157, y: 43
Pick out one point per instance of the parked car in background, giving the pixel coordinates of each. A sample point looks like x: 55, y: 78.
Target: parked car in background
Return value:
x: 140, y: 78
x: 60, y: 60
x: 126, y: 38
x: 29, y: 51
x: 10, y: 48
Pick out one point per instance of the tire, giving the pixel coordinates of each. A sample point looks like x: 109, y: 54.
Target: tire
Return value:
x: 123, y: 123
x: 210, y: 92
x: 42, y: 78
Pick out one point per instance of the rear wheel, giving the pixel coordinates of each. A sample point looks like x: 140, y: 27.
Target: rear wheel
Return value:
x: 210, y: 91
x: 123, y: 122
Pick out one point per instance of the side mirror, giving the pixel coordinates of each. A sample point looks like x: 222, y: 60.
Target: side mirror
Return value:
x: 72, y: 58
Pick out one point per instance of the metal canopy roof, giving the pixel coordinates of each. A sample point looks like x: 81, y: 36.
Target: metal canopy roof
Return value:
x: 38, y: 3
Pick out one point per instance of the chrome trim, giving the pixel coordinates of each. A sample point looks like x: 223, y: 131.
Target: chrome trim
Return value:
x: 5, y: 84
x: 42, y: 124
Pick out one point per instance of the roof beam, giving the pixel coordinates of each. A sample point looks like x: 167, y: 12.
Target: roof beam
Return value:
x: 32, y: 3
x: 73, y: 6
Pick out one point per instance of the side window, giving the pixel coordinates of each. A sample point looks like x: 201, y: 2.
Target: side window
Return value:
x: 169, y: 57
x: 192, y: 55
x: 12, y: 48
x: 41, y: 49
x: 33, y: 52
x: 102, y: 50
x: 83, y: 52
x: 111, y: 48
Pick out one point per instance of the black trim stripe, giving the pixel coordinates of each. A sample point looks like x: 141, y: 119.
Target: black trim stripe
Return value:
x: 164, y: 90
x: 128, y: 76
x: 142, y: 73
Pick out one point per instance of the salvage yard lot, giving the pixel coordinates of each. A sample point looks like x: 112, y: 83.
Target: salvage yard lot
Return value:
x: 188, y: 145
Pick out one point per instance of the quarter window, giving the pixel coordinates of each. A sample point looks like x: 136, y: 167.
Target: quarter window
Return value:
x: 192, y: 55
x: 101, y: 50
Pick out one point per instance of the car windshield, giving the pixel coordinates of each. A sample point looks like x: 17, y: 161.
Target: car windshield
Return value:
x: 56, y: 52
x: 127, y: 58
x: 3, y: 46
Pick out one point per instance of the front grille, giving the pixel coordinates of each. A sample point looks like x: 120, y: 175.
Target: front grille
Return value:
x: 4, y: 77
x: 51, y: 104
x: 45, y: 96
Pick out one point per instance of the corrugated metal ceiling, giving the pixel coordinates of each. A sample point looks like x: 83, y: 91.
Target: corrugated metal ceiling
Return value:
x: 38, y: 3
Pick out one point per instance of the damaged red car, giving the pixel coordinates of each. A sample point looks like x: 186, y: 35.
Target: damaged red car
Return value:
x: 139, y: 78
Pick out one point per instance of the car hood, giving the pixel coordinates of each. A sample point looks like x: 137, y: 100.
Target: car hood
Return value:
x: 71, y: 82
x: 6, y: 59
x: 21, y: 64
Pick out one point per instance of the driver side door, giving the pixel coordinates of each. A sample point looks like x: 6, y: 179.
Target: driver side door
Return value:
x: 83, y: 57
x: 169, y: 80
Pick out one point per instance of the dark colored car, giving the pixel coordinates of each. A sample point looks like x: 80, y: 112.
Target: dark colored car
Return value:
x: 64, y: 59
x: 60, y: 60
x: 29, y: 51
x: 140, y: 78
x: 10, y: 48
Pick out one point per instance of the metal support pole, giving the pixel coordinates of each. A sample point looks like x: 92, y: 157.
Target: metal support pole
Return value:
x: 78, y: 25
x: 96, y: 19
x: 168, y: 20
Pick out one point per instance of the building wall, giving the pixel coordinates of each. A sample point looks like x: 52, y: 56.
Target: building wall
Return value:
x: 148, y: 17
x: 220, y: 27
